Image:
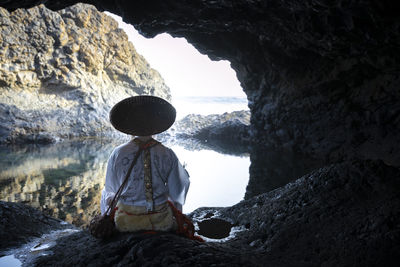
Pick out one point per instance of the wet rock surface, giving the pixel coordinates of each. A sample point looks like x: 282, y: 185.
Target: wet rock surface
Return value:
x: 345, y: 214
x: 20, y: 223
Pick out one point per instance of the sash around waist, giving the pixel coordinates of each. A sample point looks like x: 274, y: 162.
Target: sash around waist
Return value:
x: 127, y: 200
x: 140, y: 210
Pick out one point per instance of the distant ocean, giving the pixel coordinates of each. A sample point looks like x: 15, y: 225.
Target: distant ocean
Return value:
x: 205, y: 105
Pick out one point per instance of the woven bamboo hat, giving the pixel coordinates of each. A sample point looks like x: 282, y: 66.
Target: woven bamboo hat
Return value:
x: 142, y: 115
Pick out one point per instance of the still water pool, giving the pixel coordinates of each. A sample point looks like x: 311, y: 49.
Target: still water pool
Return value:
x: 65, y: 180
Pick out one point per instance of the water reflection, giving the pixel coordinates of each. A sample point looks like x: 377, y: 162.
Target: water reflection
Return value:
x: 65, y: 180
x: 222, y: 147
x: 217, y: 180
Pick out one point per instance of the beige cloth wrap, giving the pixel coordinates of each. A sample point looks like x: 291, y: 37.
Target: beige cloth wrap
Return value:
x: 135, y: 218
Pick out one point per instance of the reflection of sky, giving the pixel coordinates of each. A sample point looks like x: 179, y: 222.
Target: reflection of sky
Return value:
x: 217, y: 180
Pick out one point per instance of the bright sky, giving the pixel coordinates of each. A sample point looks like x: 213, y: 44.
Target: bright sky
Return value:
x: 184, y: 69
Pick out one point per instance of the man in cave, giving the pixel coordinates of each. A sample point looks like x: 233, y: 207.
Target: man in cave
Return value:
x: 155, y: 187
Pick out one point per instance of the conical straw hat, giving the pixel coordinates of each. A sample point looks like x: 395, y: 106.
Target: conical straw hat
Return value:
x: 142, y: 115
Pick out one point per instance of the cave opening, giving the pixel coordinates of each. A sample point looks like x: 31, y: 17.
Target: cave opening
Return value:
x: 204, y: 92
x: 201, y: 86
x: 198, y: 84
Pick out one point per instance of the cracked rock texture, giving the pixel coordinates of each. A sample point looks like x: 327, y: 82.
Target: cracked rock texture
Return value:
x: 61, y: 72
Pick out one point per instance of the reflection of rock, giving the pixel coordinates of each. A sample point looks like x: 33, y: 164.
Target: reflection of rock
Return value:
x: 330, y: 217
x: 61, y: 72
x: 192, y: 144
x: 63, y: 180
x: 228, y: 132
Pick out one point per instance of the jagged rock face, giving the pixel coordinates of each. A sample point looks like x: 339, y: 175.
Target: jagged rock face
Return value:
x: 321, y: 77
x: 61, y: 72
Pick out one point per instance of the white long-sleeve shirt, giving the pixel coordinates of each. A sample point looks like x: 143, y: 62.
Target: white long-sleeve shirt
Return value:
x: 169, y: 178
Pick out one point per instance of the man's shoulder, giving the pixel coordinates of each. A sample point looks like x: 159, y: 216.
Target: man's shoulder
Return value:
x: 127, y: 147
x: 162, y: 149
